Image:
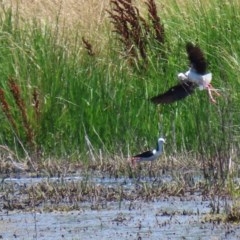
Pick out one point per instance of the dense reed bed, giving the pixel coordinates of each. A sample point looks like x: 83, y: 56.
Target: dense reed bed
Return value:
x: 84, y: 94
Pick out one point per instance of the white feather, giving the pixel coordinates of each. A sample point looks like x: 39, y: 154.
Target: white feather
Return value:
x: 201, y: 80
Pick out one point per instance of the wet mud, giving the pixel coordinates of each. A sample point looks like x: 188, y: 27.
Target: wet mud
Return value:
x: 92, y: 207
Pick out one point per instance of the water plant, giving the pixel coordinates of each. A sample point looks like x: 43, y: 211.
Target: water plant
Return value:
x: 83, y: 101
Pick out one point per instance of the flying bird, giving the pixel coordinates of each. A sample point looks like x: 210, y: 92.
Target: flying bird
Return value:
x: 149, y: 155
x: 196, y: 76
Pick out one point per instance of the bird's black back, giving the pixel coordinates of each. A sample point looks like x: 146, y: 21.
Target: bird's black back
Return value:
x: 144, y: 154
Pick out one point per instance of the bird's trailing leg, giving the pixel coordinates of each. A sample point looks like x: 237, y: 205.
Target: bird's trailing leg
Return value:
x: 211, y: 90
x: 133, y: 161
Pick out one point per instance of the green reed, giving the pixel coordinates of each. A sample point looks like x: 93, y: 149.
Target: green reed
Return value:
x: 92, y: 102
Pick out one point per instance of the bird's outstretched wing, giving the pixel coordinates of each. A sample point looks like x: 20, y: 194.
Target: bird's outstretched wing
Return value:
x: 175, y: 93
x: 196, y: 58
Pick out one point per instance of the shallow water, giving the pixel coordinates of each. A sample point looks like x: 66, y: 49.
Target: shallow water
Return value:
x: 141, y: 221
x: 166, y: 218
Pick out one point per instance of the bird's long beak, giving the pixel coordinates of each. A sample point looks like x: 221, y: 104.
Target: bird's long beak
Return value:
x: 211, y: 90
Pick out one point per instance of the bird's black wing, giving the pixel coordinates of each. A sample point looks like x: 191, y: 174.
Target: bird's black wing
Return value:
x: 196, y: 58
x: 175, y: 93
x: 144, y: 154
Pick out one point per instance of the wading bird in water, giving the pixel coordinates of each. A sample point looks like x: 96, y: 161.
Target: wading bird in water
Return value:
x: 149, y: 155
x: 196, y: 76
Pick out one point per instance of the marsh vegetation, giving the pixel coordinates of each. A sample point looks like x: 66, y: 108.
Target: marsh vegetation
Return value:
x: 76, y: 79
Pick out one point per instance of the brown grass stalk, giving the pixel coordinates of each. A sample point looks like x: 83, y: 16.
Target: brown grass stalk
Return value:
x: 156, y: 21
x: 6, y: 110
x: 130, y: 27
x: 36, y: 104
x: 133, y: 30
x: 15, y: 90
x: 88, y: 47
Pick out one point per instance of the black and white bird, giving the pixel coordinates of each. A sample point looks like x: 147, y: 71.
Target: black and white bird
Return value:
x: 196, y: 76
x: 149, y: 155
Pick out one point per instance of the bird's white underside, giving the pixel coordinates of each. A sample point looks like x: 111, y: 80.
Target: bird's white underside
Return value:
x: 202, y: 81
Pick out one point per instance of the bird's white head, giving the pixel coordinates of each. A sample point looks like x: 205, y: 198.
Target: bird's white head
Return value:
x: 160, y: 143
x: 161, y: 140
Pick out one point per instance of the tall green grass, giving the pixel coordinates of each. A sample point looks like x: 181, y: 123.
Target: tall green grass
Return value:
x: 103, y: 99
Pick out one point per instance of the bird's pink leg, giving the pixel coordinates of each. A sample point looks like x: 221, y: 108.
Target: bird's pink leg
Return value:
x: 210, y: 89
x: 210, y: 95
x: 213, y: 89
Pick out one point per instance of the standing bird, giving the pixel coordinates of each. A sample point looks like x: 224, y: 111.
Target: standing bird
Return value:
x: 149, y: 155
x: 196, y: 76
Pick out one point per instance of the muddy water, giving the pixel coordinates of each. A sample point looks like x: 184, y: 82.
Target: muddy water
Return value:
x: 165, y: 218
